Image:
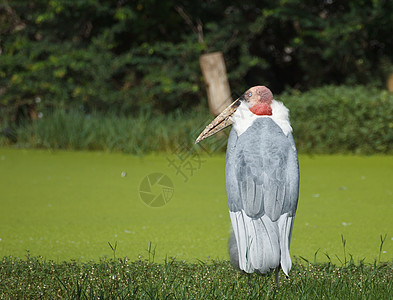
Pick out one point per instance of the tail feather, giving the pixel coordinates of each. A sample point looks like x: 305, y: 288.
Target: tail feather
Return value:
x: 257, y: 241
x: 285, y: 224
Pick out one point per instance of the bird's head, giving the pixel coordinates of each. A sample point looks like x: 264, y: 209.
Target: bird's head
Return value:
x: 257, y: 99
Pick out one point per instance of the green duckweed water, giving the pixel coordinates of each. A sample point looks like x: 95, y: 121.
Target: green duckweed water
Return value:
x: 69, y: 205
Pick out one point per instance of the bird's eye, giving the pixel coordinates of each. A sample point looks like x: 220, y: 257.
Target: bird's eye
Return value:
x: 249, y: 94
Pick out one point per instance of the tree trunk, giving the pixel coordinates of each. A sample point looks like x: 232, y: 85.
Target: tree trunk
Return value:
x: 389, y: 83
x: 217, y: 86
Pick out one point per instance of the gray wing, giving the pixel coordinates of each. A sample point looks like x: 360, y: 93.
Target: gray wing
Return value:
x: 262, y: 172
x: 262, y: 181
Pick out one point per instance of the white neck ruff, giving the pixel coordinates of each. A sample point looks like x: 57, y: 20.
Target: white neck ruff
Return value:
x: 244, y: 118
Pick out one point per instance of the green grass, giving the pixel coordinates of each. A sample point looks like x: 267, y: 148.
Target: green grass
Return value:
x: 140, y: 134
x: 69, y: 205
x: 326, y: 120
x: 34, y: 278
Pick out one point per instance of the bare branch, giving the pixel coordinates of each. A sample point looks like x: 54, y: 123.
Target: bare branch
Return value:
x: 197, y: 29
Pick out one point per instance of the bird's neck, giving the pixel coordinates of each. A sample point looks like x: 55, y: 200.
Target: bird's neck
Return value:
x: 243, y: 118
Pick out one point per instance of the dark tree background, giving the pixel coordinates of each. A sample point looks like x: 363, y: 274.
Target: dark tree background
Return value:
x: 130, y: 56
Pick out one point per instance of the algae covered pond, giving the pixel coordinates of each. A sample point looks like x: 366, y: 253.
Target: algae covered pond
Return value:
x: 70, y: 205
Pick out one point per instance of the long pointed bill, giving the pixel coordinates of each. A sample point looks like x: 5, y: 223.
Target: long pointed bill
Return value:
x: 220, y: 122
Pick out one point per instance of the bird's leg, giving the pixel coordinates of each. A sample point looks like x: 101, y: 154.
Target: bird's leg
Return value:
x: 277, y: 273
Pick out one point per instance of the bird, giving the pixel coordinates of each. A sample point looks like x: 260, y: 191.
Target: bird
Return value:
x: 262, y: 181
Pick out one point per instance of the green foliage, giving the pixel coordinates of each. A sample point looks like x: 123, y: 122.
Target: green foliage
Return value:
x: 142, y: 279
x: 342, y: 119
x: 331, y: 119
x: 130, y: 56
x: 140, y: 134
x: 93, y: 55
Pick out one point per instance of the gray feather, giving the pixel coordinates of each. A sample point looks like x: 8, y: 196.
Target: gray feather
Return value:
x: 262, y: 179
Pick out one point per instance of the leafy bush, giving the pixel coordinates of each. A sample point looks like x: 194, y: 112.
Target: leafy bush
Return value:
x: 325, y: 120
x: 343, y: 119
x: 130, y: 56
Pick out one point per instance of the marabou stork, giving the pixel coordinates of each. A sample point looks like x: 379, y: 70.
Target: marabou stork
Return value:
x: 262, y: 181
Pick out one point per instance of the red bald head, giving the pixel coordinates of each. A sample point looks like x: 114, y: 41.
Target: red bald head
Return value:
x: 259, y: 99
